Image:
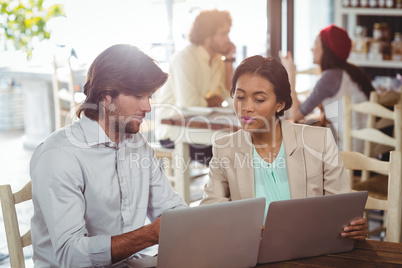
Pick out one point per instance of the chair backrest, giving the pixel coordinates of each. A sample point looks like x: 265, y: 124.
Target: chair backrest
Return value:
x: 63, y: 98
x: 15, y: 241
x: 393, y: 204
x: 389, y: 98
x: 371, y: 134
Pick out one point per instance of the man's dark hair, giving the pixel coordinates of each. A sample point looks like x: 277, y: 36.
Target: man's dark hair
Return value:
x: 207, y: 23
x: 120, y: 69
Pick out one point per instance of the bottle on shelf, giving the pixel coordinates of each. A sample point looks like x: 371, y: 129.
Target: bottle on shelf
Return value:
x: 381, y: 3
x: 375, y: 51
x: 364, y: 3
x: 373, y: 3
x: 397, y: 47
x: 354, y: 3
x: 386, y: 41
x: 345, y: 3
x: 389, y: 3
x: 398, y: 3
x: 360, y: 44
x: 377, y: 32
x: 385, y: 32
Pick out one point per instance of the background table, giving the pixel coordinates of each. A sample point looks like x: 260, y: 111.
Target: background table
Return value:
x: 196, y: 130
x: 36, y: 83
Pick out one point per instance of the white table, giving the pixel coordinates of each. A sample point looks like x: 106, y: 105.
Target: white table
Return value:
x: 195, y: 130
x: 36, y: 84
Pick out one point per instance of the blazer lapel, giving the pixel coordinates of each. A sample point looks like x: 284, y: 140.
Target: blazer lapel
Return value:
x: 245, y: 169
x: 295, y: 161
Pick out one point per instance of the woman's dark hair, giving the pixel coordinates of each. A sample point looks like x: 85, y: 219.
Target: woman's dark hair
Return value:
x: 120, y: 69
x: 329, y: 61
x: 271, y: 70
x: 207, y: 23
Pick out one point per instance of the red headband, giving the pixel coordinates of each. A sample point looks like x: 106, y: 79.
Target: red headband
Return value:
x: 337, y: 40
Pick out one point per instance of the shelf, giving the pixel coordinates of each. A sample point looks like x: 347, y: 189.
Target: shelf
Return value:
x: 377, y: 64
x: 371, y: 11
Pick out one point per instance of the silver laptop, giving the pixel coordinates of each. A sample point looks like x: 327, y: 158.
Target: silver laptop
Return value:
x: 308, y: 227
x: 218, y: 235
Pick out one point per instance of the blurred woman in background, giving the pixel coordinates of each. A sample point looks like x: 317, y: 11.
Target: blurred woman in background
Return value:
x: 338, y: 78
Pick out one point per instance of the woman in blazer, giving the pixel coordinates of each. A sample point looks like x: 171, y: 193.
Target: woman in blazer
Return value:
x: 271, y: 157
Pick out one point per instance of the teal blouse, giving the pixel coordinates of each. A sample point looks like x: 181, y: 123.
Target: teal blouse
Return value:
x: 271, y: 179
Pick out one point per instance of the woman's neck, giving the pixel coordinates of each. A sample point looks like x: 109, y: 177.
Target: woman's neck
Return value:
x: 270, y: 138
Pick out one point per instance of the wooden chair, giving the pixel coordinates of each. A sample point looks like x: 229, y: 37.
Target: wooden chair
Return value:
x: 387, y: 99
x: 15, y: 241
x: 165, y: 155
x: 371, y: 134
x: 393, y: 204
x: 65, y: 99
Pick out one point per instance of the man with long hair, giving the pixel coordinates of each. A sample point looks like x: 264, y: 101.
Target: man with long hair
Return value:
x: 199, y: 75
x: 96, y: 181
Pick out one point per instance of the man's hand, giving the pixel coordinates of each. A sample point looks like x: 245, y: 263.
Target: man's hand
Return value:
x: 230, y: 50
x: 215, y: 101
x: 356, y: 230
x: 155, y: 228
x: 125, y: 245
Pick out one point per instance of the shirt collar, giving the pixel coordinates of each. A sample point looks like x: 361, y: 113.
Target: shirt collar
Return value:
x: 205, y: 55
x: 94, y: 133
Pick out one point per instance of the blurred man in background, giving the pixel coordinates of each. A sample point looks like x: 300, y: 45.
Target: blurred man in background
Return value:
x: 199, y: 75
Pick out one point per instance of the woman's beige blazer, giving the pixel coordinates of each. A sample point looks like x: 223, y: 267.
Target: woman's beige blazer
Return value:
x: 313, y: 163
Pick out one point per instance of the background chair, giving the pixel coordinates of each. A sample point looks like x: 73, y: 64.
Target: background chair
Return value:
x: 371, y: 135
x: 65, y: 96
x: 393, y: 204
x: 15, y: 241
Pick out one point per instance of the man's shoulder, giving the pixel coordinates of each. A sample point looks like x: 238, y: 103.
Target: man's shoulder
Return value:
x: 65, y: 138
x: 187, y: 52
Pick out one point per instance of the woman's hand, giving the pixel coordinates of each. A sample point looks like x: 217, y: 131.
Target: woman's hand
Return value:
x: 356, y: 230
x: 287, y: 62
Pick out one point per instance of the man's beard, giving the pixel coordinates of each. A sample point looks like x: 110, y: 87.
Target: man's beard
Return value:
x: 120, y: 125
x: 217, y: 48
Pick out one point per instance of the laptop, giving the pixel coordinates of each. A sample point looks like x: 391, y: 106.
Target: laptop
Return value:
x: 308, y: 227
x: 216, y: 235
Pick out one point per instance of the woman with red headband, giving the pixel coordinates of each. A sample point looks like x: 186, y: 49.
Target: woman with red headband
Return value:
x: 338, y: 78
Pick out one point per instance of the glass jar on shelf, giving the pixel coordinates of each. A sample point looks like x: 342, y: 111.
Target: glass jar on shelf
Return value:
x: 375, y: 51
x: 389, y: 3
x: 397, y: 47
x: 385, y: 32
x: 359, y: 44
x: 364, y: 3
x: 381, y: 3
x: 354, y: 3
x: 373, y: 3
x: 377, y: 32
